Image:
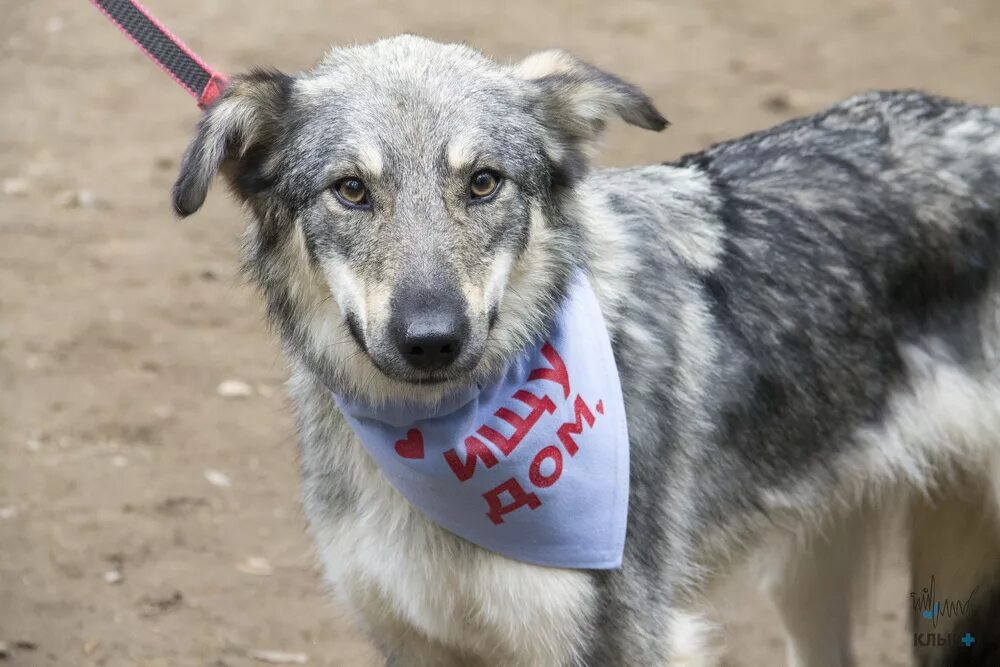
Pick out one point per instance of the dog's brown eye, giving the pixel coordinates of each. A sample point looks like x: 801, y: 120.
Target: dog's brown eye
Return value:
x: 484, y: 184
x: 351, y: 192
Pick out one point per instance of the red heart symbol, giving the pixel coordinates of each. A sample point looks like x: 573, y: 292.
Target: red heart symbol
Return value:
x: 412, y: 446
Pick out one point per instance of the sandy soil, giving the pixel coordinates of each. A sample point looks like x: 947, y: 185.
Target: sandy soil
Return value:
x: 147, y: 520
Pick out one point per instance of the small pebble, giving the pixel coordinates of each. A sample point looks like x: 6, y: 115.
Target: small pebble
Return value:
x: 217, y: 478
x: 256, y: 566
x: 279, y: 657
x: 8, y: 512
x: 777, y: 102
x: 15, y: 187
x: 113, y: 577
x: 82, y: 198
x: 234, y: 389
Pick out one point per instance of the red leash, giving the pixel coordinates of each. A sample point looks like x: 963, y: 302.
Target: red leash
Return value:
x: 164, y: 49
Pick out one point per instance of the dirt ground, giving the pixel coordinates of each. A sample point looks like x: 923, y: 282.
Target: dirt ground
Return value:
x: 147, y: 520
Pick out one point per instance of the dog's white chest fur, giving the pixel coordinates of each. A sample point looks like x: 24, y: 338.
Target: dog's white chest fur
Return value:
x: 403, y: 574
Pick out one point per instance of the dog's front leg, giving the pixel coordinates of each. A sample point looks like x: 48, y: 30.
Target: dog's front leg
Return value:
x: 399, y: 643
x: 814, y: 585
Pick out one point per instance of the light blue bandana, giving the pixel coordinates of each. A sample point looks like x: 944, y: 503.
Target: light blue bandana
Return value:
x: 534, y: 467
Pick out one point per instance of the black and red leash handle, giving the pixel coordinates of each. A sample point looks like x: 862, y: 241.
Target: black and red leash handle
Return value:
x: 164, y: 49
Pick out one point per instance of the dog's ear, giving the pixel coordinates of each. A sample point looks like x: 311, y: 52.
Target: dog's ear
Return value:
x: 578, y: 99
x: 234, y: 135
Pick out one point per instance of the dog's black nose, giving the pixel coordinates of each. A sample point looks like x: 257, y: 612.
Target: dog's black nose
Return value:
x: 429, y: 329
x: 432, y: 340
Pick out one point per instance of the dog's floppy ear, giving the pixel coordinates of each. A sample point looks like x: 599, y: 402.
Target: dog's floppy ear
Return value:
x: 578, y: 99
x: 234, y: 135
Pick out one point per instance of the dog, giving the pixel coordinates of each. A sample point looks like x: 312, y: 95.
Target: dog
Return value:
x: 806, y: 325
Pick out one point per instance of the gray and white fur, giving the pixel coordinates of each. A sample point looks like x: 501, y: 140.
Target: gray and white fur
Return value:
x: 806, y: 323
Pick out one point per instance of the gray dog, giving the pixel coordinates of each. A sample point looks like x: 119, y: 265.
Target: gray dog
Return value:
x: 806, y: 324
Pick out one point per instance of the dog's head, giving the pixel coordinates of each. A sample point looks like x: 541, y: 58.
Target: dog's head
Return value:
x: 412, y: 202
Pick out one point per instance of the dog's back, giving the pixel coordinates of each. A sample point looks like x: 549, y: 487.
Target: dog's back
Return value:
x: 896, y: 192
x: 819, y: 306
x: 841, y: 256
x: 862, y: 253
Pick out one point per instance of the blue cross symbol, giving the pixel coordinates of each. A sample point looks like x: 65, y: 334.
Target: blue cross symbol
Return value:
x: 968, y: 640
